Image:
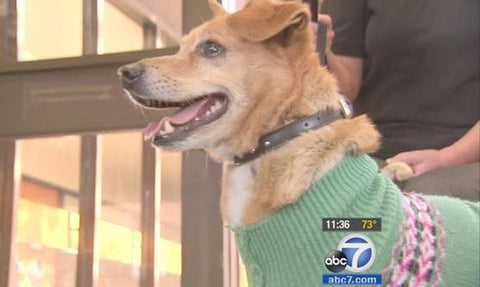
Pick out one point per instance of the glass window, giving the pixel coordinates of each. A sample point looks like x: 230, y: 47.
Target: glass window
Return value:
x: 120, y: 237
x: 49, y: 29
x: 233, y: 5
x: 117, y: 31
x: 125, y: 25
x: 171, y: 218
x: 119, y: 231
x: 47, y: 218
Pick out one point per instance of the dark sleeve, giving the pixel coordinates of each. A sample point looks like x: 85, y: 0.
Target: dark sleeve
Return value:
x: 350, y: 19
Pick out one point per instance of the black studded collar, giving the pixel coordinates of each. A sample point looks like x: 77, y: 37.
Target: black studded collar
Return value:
x: 276, y: 138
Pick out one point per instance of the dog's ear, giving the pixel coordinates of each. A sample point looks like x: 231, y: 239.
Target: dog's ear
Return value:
x: 262, y: 20
x: 216, y: 8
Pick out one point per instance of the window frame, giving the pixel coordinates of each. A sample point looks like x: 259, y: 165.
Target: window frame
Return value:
x: 201, y: 247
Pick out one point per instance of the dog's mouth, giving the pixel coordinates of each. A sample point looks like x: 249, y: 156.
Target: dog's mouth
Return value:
x: 192, y: 114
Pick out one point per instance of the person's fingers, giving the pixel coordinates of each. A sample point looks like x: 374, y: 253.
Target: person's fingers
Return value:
x: 410, y: 157
x: 420, y: 168
x: 330, y: 35
x: 326, y: 19
x: 396, y: 158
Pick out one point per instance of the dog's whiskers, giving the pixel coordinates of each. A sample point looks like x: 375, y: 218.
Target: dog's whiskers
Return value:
x: 206, y: 165
x: 142, y: 111
x: 203, y: 20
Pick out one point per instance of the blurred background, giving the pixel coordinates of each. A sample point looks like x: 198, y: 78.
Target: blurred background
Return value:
x: 84, y: 201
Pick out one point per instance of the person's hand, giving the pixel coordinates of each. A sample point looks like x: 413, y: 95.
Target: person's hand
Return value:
x: 422, y: 161
x: 327, y: 20
x: 465, y: 150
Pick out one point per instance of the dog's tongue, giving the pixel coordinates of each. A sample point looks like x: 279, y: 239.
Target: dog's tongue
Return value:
x: 181, y: 117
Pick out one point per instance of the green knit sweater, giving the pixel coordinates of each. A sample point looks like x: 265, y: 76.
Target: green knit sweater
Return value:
x: 288, y: 248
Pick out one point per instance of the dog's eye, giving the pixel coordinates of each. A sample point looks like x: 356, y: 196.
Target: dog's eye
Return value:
x: 212, y: 49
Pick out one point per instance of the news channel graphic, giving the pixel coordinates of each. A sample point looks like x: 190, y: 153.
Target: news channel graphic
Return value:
x: 352, y: 224
x: 355, y: 253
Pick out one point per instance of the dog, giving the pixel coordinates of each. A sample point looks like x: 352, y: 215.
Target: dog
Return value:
x: 252, y: 94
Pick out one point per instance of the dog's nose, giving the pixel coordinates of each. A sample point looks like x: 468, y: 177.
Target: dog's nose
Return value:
x: 130, y: 73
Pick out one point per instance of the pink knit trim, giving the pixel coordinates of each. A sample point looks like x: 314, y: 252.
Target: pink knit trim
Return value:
x: 400, y: 272
x: 427, y: 247
x: 418, y: 252
x: 395, y: 251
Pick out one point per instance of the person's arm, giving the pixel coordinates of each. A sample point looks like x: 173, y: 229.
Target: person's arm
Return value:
x: 346, y: 22
x: 465, y: 150
x: 349, y: 73
x: 347, y: 69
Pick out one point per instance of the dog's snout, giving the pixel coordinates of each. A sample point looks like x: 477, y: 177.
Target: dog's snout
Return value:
x: 131, y: 73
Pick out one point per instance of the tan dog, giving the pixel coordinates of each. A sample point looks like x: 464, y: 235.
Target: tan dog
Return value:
x: 241, y: 76
x: 261, y: 67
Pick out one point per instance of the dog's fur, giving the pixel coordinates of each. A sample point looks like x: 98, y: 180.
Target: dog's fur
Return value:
x: 271, y: 75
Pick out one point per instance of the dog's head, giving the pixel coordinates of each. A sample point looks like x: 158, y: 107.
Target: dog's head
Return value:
x: 235, y: 77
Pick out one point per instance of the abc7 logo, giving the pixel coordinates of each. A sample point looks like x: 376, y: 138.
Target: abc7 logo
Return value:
x: 356, y: 253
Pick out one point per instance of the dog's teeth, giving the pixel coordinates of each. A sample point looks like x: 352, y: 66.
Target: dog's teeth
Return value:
x: 197, y: 119
x: 163, y: 133
x: 208, y: 113
x: 168, y: 127
x: 215, y: 107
